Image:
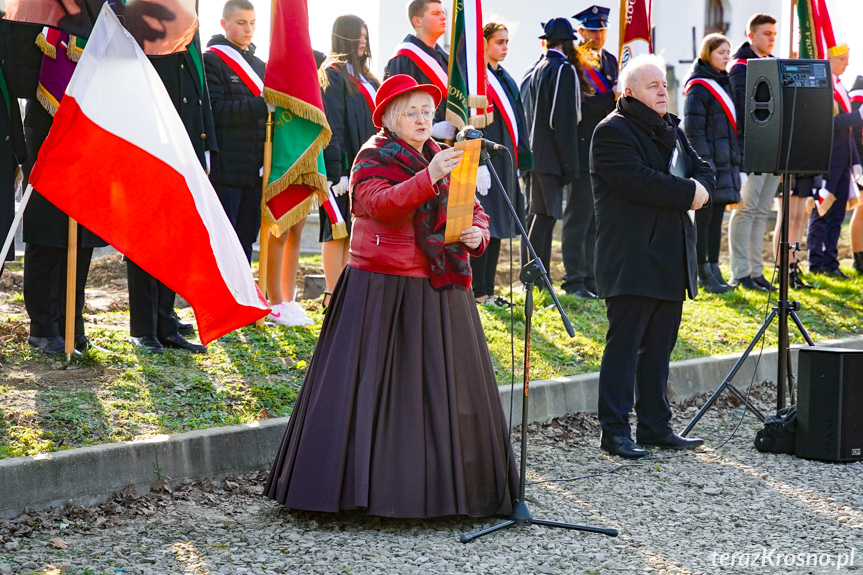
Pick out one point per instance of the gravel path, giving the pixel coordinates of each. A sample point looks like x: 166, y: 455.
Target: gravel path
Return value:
x: 677, y: 513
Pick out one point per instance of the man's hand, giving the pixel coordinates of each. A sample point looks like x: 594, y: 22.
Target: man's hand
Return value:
x: 701, y: 196
x: 271, y: 108
x: 342, y: 187
x: 483, y: 180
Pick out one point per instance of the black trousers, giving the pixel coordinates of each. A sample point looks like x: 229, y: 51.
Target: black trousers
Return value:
x: 642, y: 332
x: 45, y: 289
x: 243, y: 207
x: 151, y: 305
x: 484, y: 269
x: 708, y: 226
x: 578, y: 236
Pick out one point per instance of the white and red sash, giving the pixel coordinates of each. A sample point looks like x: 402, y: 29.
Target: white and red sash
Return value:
x: 503, y: 107
x: 723, y: 97
x: 734, y: 62
x: 337, y: 222
x: 856, y: 95
x: 241, y: 68
x: 840, y: 94
x: 426, y: 63
x: 366, y: 88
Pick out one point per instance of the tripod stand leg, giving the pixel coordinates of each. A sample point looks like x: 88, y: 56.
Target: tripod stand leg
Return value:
x: 492, y: 529
x: 600, y: 530
x: 749, y: 405
x: 731, y: 374
x: 800, y: 327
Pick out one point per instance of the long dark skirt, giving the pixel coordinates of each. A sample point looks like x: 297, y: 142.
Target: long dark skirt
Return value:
x: 399, y: 413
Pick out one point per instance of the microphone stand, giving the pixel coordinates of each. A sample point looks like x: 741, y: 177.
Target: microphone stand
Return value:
x: 521, y: 515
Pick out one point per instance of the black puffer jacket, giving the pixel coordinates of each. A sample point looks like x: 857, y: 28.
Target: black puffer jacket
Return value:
x: 240, y: 118
x: 710, y: 133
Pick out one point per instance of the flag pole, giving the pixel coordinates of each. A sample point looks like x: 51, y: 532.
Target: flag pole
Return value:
x: 71, y: 272
x: 791, y: 31
x: 264, y: 244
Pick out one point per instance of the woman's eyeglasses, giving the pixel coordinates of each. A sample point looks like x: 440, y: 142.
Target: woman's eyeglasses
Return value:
x: 413, y: 115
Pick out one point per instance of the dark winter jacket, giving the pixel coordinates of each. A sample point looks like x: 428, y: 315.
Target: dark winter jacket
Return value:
x: 645, y: 240
x: 187, y: 88
x: 548, y: 92
x: 240, y: 118
x: 711, y: 134
x: 737, y: 77
x: 595, y: 108
x: 403, y: 65
x: 493, y: 204
x: 350, y: 119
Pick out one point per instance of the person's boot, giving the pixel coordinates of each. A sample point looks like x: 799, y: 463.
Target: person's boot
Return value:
x: 858, y: 262
x: 717, y: 273
x: 707, y: 280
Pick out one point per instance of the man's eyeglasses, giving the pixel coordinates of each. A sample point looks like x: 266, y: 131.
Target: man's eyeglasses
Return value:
x: 413, y: 115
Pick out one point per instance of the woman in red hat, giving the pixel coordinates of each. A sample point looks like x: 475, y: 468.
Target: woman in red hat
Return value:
x: 399, y: 414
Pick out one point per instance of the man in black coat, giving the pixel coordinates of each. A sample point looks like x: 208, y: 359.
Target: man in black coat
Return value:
x: 645, y: 178
x: 13, y: 151
x: 552, y: 96
x: 421, y: 57
x: 578, y: 235
x: 153, y: 324
x: 240, y: 116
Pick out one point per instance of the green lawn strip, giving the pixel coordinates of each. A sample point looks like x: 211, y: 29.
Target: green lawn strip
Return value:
x: 253, y: 374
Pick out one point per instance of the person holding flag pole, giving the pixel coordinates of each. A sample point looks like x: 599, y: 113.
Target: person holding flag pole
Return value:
x: 509, y: 129
x: 294, y: 170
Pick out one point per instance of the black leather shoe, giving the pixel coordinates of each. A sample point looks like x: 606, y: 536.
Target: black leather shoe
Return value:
x: 762, y: 281
x: 671, y: 441
x: 185, y: 328
x: 583, y: 293
x: 837, y: 273
x: 148, y: 343
x: 177, y: 341
x: 623, y: 446
x: 54, y: 345
x: 748, y: 283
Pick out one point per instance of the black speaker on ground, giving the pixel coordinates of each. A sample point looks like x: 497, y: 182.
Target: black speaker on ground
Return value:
x: 788, y: 117
x: 830, y: 404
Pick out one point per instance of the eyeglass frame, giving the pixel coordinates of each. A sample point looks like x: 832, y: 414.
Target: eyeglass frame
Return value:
x: 427, y: 114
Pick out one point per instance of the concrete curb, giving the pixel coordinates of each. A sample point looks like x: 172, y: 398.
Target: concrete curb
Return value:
x: 90, y: 475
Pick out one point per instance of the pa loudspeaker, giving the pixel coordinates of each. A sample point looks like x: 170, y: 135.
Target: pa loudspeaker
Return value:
x: 830, y: 404
x: 788, y: 116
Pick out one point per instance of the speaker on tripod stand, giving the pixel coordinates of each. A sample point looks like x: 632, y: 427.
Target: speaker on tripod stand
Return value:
x: 788, y: 124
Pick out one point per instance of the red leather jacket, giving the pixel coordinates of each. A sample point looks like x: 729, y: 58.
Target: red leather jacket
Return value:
x: 383, y: 238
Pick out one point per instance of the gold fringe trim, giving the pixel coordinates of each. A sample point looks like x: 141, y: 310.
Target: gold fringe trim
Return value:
x: 298, y: 108
x: 47, y: 100
x: 853, y: 203
x: 809, y: 206
x: 305, y: 168
x: 477, y: 101
x: 824, y: 206
x: 480, y: 121
x: 455, y: 120
x: 47, y: 49
x: 340, y: 230
x: 73, y: 52
x: 290, y: 219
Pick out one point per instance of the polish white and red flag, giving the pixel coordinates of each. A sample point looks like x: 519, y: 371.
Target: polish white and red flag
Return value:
x: 119, y: 161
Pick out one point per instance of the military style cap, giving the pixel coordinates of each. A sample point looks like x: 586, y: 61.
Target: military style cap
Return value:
x: 593, y: 18
x: 558, y: 29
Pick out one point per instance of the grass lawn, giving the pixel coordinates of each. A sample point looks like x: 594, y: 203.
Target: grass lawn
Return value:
x: 124, y: 394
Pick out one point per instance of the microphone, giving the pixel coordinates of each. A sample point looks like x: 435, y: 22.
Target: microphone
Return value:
x: 471, y: 133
